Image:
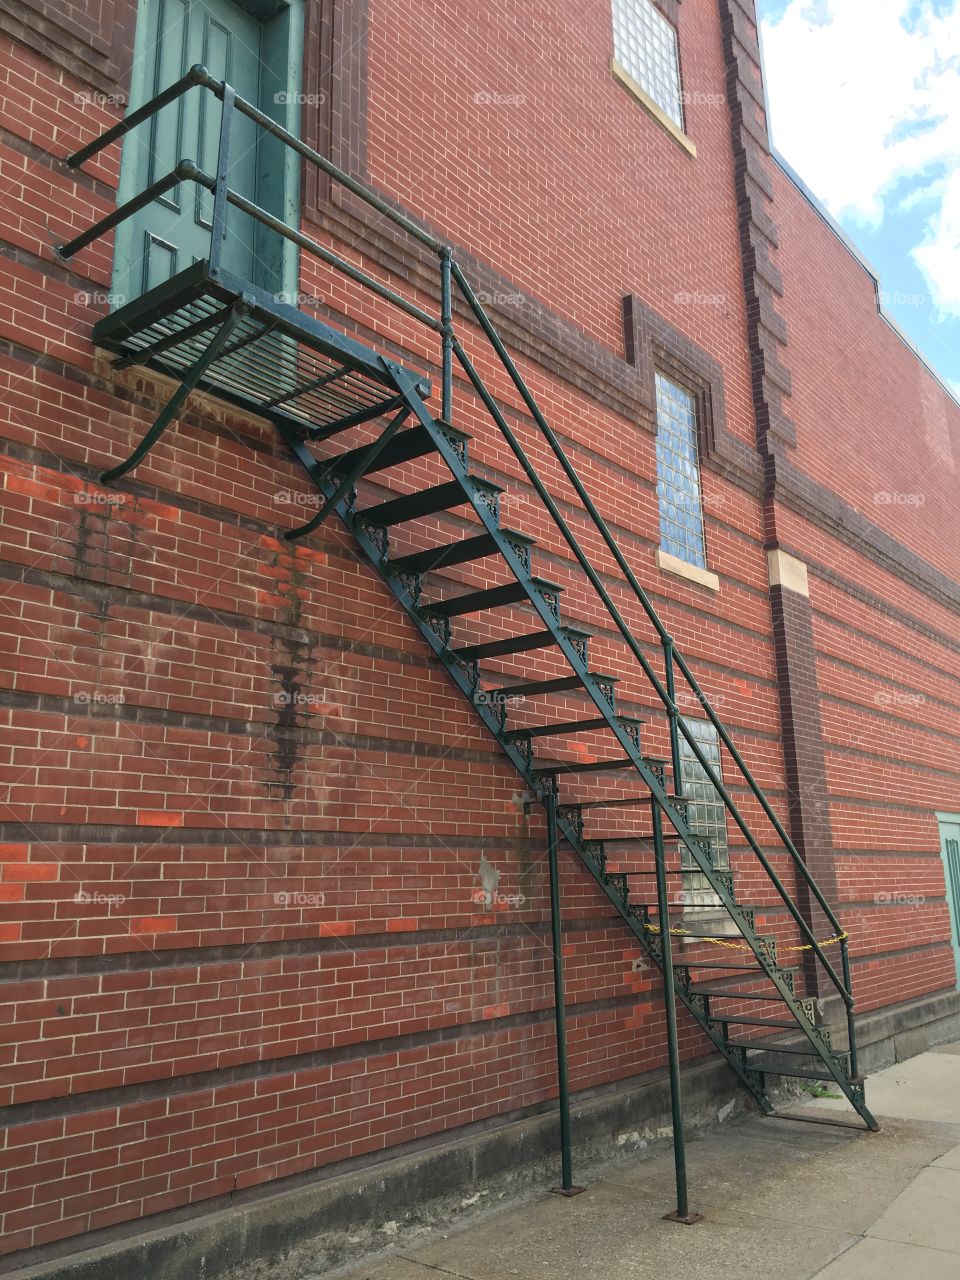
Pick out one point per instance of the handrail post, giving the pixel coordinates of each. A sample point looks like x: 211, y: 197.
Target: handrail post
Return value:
x: 221, y: 190
x: 673, y: 715
x: 621, y: 624
x: 851, y: 1028
x: 682, y: 1212
x: 446, y: 322
x: 566, y: 1187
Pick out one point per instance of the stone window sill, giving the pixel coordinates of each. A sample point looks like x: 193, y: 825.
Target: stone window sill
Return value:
x: 692, y: 572
x: 648, y: 104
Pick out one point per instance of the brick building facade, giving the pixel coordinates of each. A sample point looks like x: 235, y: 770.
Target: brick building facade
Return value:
x: 248, y: 823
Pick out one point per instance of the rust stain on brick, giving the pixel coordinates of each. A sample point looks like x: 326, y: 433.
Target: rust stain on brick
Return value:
x: 159, y: 818
x: 153, y: 924
x: 31, y: 872
x: 496, y: 1010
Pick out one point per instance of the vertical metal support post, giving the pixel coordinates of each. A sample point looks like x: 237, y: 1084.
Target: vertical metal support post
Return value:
x: 673, y: 715
x: 566, y: 1164
x: 851, y: 1029
x: 218, y: 229
x: 446, y: 321
x: 682, y: 1212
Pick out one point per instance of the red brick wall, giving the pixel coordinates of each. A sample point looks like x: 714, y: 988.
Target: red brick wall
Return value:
x: 245, y: 810
x: 875, y: 429
x: 857, y: 382
x: 201, y: 720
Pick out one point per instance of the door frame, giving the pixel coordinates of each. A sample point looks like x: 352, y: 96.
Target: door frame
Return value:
x: 283, y: 30
x: 953, y: 891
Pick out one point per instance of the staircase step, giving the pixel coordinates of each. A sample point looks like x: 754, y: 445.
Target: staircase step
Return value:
x: 568, y: 726
x: 745, y: 1020
x: 427, y: 502
x: 492, y: 598
x: 716, y: 964
x: 404, y: 447
x: 598, y: 766
x: 670, y: 871
x: 648, y: 840
x: 693, y: 934
x: 807, y: 1050
x: 631, y: 800
x: 516, y: 644
x: 560, y: 685
x: 725, y: 992
x: 772, y: 1066
x: 450, y: 553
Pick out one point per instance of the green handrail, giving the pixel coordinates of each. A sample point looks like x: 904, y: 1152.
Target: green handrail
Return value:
x: 450, y: 271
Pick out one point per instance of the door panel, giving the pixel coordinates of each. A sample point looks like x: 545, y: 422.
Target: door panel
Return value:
x: 950, y: 844
x: 174, y: 232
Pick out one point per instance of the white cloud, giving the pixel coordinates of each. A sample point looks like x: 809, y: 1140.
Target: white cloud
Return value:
x: 938, y: 257
x: 925, y: 194
x: 865, y: 95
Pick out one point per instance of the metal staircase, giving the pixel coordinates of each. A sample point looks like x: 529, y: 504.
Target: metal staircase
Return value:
x: 536, y: 689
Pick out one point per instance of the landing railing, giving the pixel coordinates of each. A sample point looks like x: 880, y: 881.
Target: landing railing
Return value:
x: 450, y: 275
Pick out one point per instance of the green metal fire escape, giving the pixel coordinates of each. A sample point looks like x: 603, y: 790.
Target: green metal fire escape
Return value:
x: 623, y: 812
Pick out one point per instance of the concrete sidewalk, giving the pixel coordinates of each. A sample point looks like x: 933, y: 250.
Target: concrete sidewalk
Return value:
x: 781, y: 1201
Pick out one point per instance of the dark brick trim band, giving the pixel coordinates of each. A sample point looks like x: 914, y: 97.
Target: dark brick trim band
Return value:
x: 762, y: 282
x: 808, y: 803
x: 93, y: 43
x: 250, y: 953
x: 827, y: 511
x: 270, y: 1068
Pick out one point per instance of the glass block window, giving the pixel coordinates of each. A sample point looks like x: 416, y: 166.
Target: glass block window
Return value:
x: 645, y: 46
x: 678, y: 474
x: 707, y: 813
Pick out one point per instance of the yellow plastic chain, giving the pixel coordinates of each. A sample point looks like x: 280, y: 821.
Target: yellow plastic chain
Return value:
x: 742, y: 946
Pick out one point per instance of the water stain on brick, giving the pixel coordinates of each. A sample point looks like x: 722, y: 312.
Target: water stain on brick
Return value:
x: 291, y: 672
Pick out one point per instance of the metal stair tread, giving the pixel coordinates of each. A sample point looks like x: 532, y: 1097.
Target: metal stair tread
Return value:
x: 630, y: 800
x: 813, y: 1072
x: 416, y: 442
x: 806, y: 1050
x: 490, y: 598
x: 559, y: 685
x: 460, y: 552
x: 559, y: 728
x: 716, y: 988
x: 596, y: 766
x: 424, y: 502
x: 639, y: 839
x: 744, y: 1020
x: 516, y: 644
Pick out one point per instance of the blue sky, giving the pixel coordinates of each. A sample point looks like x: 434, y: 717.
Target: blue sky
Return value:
x: 865, y: 105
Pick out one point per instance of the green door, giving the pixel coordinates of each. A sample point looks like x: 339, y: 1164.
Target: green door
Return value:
x: 174, y: 232
x: 950, y: 844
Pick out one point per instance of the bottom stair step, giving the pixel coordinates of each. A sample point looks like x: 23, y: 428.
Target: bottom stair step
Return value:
x: 772, y: 1066
x: 762, y: 1046
x: 718, y: 991
x: 746, y: 1021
